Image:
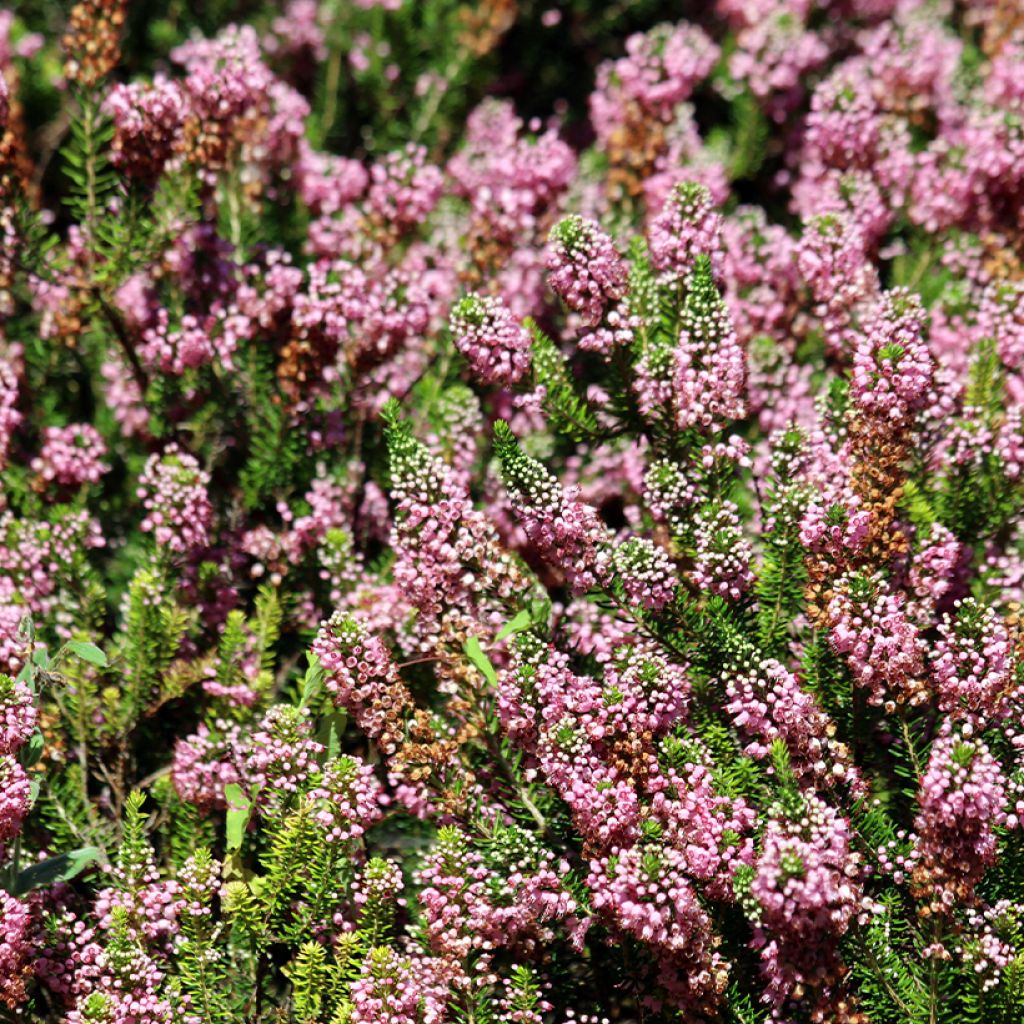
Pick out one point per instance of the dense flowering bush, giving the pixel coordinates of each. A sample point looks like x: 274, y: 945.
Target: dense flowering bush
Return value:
x: 463, y: 562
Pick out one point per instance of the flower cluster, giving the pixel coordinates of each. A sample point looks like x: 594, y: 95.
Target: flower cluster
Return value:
x: 584, y: 267
x: 361, y: 677
x: 14, y: 801
x: 495, y: 344
x: 148, y: 121
x: 962, y: 803
x: 173, y: 491
x: 805, y: 888
x: 71, y: 456
x: 507, y: 519
x: 18, y: 714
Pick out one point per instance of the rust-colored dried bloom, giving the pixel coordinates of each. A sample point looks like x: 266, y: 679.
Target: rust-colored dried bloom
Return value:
x: 485, y: 23
x: 92, y: 40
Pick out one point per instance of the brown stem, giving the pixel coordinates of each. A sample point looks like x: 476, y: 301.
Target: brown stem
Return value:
x: 124, y: 340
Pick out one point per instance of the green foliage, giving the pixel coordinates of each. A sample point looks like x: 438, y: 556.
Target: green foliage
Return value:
x: 748, y: 146
x: 135, y: 855
x: 976, y: 498
x: 200, y: 981
x: 308, y: 974
x: 524, y: 993
x: 267, y: 626
x: 567, y: 411
x: 644, y: 298
x: 889, y: 980
x: 186, y: 828
x: 377, y: 914
x: 1005, y: 1003
x: 93, y: 182
x: 88, y: 652
x: 781, y: 576
x: 411, y: 467
x: 65, y: 808
x: 828, y: 679
x: 153, y: 632
x: 231, y: 651
x: 276, y: 448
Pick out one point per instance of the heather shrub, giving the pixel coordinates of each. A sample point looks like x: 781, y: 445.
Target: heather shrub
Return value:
x: 512, y: 514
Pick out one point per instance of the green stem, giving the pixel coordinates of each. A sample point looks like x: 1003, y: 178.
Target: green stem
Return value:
x: 879, y: 973
x: 89, y: 130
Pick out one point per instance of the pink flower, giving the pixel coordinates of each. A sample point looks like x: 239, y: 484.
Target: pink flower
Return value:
x: 71, y: 456
x: 148, y: 121
x: 173, y: 491
x: 961, y: 802
x: 18, y: 714
x: 495, y: 344
x: 15, y: 796
x: 584, y: 267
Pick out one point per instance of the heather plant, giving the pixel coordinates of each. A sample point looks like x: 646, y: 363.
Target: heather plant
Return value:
x: 461, y: 563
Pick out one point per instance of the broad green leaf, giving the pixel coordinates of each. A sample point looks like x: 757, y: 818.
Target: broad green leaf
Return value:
x: 476, y: 655
x: 329, y: 733
x: 523, y: 620
x: 313, y: 681
x: 88, y: 652
x: 239, y: 809
x: 33, y: 750
x: 56, y: 869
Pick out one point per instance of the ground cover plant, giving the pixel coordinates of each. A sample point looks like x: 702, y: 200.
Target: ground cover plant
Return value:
x: 511, y: 512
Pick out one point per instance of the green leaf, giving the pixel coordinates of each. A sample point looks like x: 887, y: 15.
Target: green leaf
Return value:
x: 332, y: 728
x: 33, y: 750
x: 88, y: 652
x: 313, y: 683
x: 239, y: 809
x: 476, y: 655
x: 523, y: 620
x: 56, y: 869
